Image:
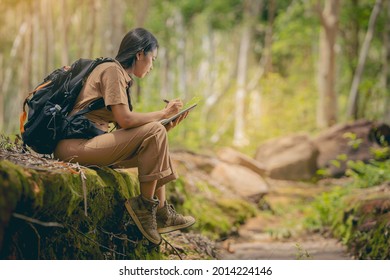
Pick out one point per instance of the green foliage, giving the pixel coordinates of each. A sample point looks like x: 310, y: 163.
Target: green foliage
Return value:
x: 368, y: 175
x: 296, y: 33
x: 301, y: 254
x: 224, y: 14
x: 353, y: 141
x: 278, y: 115
x: 364, y: 176
x: 326, y: 206
x: 216, y: 216
x: 199, y: 43
x: 354, y: 214
x: 380, y: 153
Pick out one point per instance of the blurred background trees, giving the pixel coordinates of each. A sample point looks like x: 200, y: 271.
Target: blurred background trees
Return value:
x: 259, y: 68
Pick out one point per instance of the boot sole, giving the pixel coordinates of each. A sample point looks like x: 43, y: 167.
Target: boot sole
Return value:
x: 177, y: 227
x: 139, y: 225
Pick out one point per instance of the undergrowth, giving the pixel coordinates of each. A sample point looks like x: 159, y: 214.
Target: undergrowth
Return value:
x: 357, y: 213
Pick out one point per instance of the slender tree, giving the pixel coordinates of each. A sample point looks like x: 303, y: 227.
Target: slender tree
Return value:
x: 27, y: 52
x: 251, y: 10
x: 386, y: 66
x: 264, y: 66
x: 37, y: 53
x: 92, y: 29
x: 1, y: 93
x: 327, y: 102
x: 268, y: 36
x: 353, y: 94
x: 350, y: 33
x: 142, y: 9
x: 64, y: 29
x: 47, y: 21
x: 181, y: 57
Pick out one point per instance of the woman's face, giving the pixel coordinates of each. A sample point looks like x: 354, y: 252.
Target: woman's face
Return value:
x: 144, y: 63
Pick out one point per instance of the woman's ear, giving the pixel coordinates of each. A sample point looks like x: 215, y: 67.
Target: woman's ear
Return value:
x: 138, y: 55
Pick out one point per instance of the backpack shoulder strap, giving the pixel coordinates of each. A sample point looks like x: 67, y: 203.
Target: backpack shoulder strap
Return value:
x: 94, y: 105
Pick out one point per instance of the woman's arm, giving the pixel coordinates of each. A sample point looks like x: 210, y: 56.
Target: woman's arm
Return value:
x: 128, y: 119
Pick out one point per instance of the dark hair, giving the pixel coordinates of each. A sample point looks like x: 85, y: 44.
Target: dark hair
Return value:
x: 136, y: 40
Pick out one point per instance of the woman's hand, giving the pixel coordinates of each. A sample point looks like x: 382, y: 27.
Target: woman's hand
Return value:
x: 171, y: 125
x: 173, y: 107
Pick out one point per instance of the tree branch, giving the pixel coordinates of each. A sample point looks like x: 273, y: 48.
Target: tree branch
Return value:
x: 35, y: 221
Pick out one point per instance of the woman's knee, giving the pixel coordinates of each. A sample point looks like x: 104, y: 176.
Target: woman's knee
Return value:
x: 156, y: 128
x: 155, y: 139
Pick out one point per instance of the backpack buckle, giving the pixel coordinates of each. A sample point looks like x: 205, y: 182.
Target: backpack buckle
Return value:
x: 56, y: 109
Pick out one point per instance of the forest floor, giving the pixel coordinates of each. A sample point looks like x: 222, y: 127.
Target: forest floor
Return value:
x: 278, y: 233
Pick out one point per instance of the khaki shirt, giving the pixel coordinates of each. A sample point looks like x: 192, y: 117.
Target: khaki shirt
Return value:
x: 108, y: 80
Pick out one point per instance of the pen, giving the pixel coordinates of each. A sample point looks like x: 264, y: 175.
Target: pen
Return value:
x: 166, y: 101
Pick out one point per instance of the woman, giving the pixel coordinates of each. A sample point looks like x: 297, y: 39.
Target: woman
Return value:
x: 141, y: 140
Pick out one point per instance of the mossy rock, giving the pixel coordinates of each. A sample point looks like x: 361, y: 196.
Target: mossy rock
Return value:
x: 364, y: 224
x: 42, y: 215
x: 42, y: 212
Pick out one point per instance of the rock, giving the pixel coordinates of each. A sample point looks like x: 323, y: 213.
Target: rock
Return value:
x: 289, y: 158
x: 232, y: 156
x: 368, y: 210
x: 350, y: 140
x: 240, y: 180
x: 194, y: 161
x: 55, y: 214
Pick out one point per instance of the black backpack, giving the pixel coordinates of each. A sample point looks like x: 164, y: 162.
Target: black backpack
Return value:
x: 51, y: 102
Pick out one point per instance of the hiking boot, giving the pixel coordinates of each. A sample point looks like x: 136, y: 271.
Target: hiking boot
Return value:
x: 143, y: 213
x: 168, y: 220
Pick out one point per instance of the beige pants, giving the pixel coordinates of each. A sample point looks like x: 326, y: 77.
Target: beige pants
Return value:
x: 145, y: 147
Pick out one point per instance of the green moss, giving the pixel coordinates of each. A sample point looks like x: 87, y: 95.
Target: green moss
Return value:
x: 120, y: 179
x: 239, y: 209
x: 216, y: 216
x: 358, y: 217
x: 59, y: 197
x: 106, y: 232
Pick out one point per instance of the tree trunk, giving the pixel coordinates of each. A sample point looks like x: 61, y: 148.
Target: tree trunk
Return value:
x: 64, y: 23
x: 251, y: 10
x: 386, y: 65
x: 239, y: 127
x: 14, y: 51
x: 142, y: 9
x: 103, y: 32
x: 213, y: 86
x: 353, y: 94
x: 264, y: 66
x: 36, y: 75
x: 268, y: 36
x: 206, y: 79
x: 117, y: 25
x: 354, y: 38
x: 166, y: 85
x: 181, y: 59
x: 28, y: 51
x: 1, y: 93
x: 327, y: 105
x: 92, y: 7
x: 47, y: 20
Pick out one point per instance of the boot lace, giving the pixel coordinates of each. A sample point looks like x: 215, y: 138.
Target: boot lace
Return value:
x: 154, y: 219
x: 172, y: 212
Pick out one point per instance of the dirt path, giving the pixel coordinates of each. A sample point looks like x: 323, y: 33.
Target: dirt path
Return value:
x: 279, y: 234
